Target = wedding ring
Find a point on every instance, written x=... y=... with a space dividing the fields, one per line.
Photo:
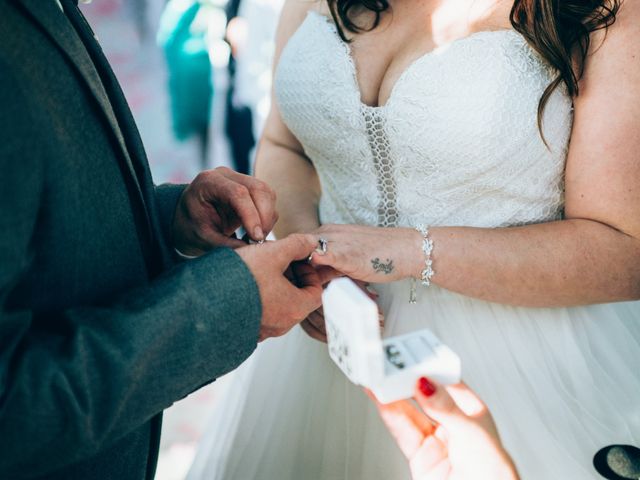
x=322 y=245
x=247 y=239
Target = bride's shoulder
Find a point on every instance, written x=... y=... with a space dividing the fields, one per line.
x=293 y=14
x=623 y=34
x=613 y=53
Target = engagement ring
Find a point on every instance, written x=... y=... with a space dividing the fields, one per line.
x=322 y=245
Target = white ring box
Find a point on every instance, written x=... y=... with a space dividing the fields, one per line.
x=390 y=368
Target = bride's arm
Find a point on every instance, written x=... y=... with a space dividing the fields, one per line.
x=280 y=159
x=593 y=255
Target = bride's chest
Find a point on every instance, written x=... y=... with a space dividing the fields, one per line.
x=381 y=55
x=469 y=105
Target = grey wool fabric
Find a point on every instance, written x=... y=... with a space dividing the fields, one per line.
x=101 y=328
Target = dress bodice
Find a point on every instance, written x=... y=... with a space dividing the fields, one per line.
x=457 y=143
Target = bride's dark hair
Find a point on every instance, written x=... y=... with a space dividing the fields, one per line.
x=559 y=30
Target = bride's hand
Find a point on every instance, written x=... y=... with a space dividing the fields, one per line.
x=314 y=325
x=371 y=254
x=457 y=441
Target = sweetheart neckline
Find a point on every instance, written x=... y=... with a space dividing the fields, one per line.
x=411 y=66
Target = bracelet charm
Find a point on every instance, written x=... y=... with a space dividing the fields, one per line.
x=427 y=272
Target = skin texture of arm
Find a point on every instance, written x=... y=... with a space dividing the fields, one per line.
x=280 y=160
x=594 y=254
x=591 y=256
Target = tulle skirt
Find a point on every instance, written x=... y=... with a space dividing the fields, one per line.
x=561 y=383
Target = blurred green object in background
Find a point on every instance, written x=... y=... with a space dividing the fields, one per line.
x=189 y=67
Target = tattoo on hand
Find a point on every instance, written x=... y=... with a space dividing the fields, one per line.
x=382 y=267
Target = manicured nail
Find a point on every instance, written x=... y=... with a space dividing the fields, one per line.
x=258 y=233
x=426 y=387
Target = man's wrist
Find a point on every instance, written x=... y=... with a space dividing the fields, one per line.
x=168 y=198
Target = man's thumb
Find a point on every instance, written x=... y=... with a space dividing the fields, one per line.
x=297 y=246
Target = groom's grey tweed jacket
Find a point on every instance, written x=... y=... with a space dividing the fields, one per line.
x=99 y=329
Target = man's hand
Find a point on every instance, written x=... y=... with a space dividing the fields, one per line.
x=215 y=205
x=287 y=298
x=314 y=325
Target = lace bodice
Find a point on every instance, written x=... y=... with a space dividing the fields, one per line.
x=457 y=143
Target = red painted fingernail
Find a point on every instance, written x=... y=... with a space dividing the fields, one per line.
x=426 y=387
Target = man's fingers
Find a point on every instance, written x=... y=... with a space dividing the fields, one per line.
x=297 y=246
x=206 y=239
x=220 y=240
x=300 y=302
x=239 y=200
x=306 y=298
x=264 y=200
x=310 y=298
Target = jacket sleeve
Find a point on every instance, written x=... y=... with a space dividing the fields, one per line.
x=73 y=382
x=167 y=196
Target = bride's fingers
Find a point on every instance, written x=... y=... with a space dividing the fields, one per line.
x=342 y=257
x=312 y=331
x=317 y=320
x=318 y=258
x=327 y=274
x=305 y=274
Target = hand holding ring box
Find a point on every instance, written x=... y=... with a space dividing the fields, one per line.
x=390 y=367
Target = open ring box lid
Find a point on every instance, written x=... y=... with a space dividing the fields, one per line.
x=390 y=367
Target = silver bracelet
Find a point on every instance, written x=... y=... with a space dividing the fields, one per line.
x=427 y=272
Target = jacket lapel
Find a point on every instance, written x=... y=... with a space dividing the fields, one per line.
x=47 y=14
x=53 y=21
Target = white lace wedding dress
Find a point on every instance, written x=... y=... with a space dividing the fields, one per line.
x=456 y=144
